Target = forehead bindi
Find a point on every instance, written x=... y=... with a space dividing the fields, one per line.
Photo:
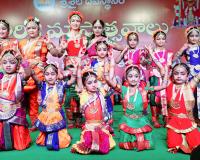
x=133 y=72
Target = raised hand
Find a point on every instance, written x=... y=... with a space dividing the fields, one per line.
x=47 y=40
x=81 y=52
x=149 y=48
x=63 y=44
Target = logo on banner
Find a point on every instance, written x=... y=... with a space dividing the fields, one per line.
x=44 y=5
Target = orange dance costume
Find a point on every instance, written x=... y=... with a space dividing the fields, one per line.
x=14 y=133
x=51 y=121
x=94 y=137
x=34 y=51
x=182 y=132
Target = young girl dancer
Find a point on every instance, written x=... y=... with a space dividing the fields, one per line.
x=182 y=132
x=98 y=65
x=98 y=28
x=135 y=129
x=132 y=55
x=191 y=50
x=14 y=133
x=94 y=137
x=34 y=48
x=51 y=121
x=73 y=43
x=163 y=57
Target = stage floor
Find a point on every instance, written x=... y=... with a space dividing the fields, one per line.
x=41 y=153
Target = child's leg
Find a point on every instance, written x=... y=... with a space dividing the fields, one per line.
x=174 y=139
x=127 y=145
x=33 y=111
x=41 y=139
x=153 y=103
x=149 y=143
x=193 y=138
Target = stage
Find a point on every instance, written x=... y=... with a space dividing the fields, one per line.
x=41 y=153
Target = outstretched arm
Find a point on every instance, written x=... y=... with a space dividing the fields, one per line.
x=79 y=78
x=115 y=45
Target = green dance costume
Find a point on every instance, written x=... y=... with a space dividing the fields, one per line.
x=135 y=129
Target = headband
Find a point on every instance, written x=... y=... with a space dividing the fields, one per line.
x=158 y=31
x=190 y=29
x=75 y=13
x=34 y=19
x=129 y=33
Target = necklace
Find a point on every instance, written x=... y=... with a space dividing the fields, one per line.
x=93 y=108
x=76 y=40
x=130 y=55
x=160 y=58
x=131 y=105
x=195 y=54
x=175 y=91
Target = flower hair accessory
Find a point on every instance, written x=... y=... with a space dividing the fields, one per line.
x=75 y=13
x=190 y=29
x=31 y=18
